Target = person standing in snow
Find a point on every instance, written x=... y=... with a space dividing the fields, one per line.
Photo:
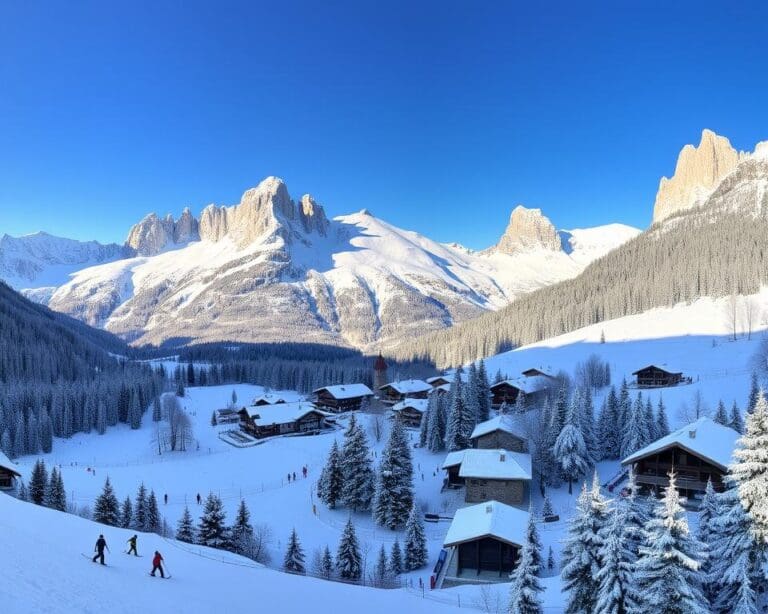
x=157 y=565
x=165 y=496
x=132 y=548
x=198 y=498
x=101 y=543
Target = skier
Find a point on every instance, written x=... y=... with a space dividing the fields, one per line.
x=294 y=476
x=132 y=543
x=304 y=470
x=165 y=496
x=101 y=543
x=289 y=478
x=198 y=498
x=157 y=565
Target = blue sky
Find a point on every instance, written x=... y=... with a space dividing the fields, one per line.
x=439 y=117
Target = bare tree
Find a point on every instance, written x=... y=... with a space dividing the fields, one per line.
x=256 y=547
x=490 y=601
x=751 y=310
x=732 y=314
x=177 y=432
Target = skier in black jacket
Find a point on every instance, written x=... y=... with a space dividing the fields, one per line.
x=132 y=544
x=101 y=543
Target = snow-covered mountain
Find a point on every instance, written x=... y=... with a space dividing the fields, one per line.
x=271 y=268
x=40 y=262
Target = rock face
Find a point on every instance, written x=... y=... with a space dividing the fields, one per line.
x=528 y=229
x=152 y=235
x=698 y=171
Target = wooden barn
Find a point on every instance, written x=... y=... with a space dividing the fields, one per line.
x=658 y=376
x=500 y=432
x=8 y=472
x=341 y=397
x=407 y=389
x=483 y=544
x=520 y=389
x=410 y=412
x=281 y=419
x=698 y=452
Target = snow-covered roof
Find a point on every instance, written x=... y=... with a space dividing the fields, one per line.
x=533 y=371
x=705 y=438
x=408 y=386
x=441 y=388
x=453 y=459
x=6 y=463
x=346 y=391
x=660 y=365
x=495 y=465
x=489 y=519
x=268 y=398
x=282 y=413
x=419 y=405
x=527 y=385
x=432 y=380
x=499 y=423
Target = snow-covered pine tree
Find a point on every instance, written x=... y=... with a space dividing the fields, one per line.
x=650 y=421
x=357 y=487
x=721 y=415
x=754 y=393
x=396 y=559
x=140 y=509
x=212 y=530
x=546 y=507
x=126 y=514
x=461 y=419
x=616 y=592
x=750 y=469
x=56 y=494
x=734 y=556
x=294 y=555
x=551 y=564
x=525 y=588
x=38 y=483
x=436 y=425
x=585 y=412
x=570 y=451
x=153 y=521
x=581 y=555
x=326 y=565
x=106 y=509
x=185 y=529
x=483 y=392
x=424 y=424
x=667 y=574
x=22 y=493
x=735 y=420
x=545 y=461
x=635 y=513
x=241 y=532
x=472 y=393
x=662 y=424
x=635 y=435
x=348 y=559
x=415 y=541
x=709 y=510
x=46 y=433
x=607 y=429
x=393 y=496
x=329 y=486
x=157 y=414
x=625 y=406
x=381 y=570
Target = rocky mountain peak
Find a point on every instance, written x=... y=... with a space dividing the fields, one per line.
x=152 y=235
x=312 y=215
x=528 y=229
x=697 y=172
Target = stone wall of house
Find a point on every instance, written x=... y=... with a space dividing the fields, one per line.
x=511 y=492
x=499 y=440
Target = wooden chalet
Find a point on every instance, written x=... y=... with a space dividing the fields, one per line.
x=441 y=390
x=8 y=473
x=658 y=376
x=523 y=389
x=539 y=371
x=281 y=419
x=483 y=544
x=500 y=432
x=341 y=397
x=500 y=475
x=267 y=399
x=452 y=465
x=410 y=412
x=439 y=380
x=698 y=452
x=228 y=415
x=407 y=389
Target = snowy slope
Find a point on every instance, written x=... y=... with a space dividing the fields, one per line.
x=42 y=261
x=43 y=571
x=354 y=280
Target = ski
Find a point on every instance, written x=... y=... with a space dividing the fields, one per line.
x=90 y=558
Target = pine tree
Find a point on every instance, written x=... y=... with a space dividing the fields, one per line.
x=635 y=434
x=185 y=530
x=56 y=494
x=636 y=511
x=754 y=393
x=140 y=509
x=525 y=588
x=212 y=529
x=461 y=419
x=22 y=493
x=126 y=514
x=38 y=483
x=484 y=393
x=329 y=487
x=533 y=541
x=750 y=468
x=570 y=451
x=157 y=414
x=546 y=507
x=436 y=425
x=381 y=571
x=616 y=592
x=721 y=415
x=106 y=509
x=46 y=433
x=424 y=424
x=396 y=559
x=650 y=422
x=294 y=555
x=735 y=420
x=581 y=556
x=551 y=565
x=153 y=520
x=608 y=429
x=734 y=556
x=357 y=487
x=415 y=542
x=708 y=511
x=326 y=564
x=241 y=532
x=586 y=415
x=662 y=424
x=667 y=572
x=348 y=559
x=393 y=497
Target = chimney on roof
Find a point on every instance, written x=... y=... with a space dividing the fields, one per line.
x=502 y=456
x=692 y=434
x=489 y=509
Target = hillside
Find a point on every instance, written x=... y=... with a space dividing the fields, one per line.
x=64 y=581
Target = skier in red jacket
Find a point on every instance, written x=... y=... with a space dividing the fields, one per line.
x=157 y=564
